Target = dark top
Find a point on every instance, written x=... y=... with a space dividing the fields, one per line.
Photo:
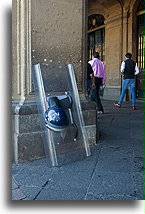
x=89 y=71
x=129 y=69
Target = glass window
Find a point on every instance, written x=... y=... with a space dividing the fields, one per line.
x=96 y=36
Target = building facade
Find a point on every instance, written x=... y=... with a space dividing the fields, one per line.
x=115 y=28
x=68 y=31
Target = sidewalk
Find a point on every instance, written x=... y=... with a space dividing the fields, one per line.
x=114 y=171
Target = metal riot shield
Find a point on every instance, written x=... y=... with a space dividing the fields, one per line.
x=60 y=113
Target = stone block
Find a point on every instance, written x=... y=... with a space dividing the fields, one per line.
x=28 y=146
x=112 y=184
x=27 y=123
x=89 y=117
x=111 y=93
x=18 y=195
x=51 y=194
x=92 y=134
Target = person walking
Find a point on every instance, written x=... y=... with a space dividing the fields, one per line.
x=129 y=69
x=89 y=78
x=99 y=75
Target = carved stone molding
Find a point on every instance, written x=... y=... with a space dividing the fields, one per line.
x=22 y=50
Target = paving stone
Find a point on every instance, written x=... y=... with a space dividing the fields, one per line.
x=120 y=164
x=137 y=136
x=31 y=192
x=139 y=184
x=114 y=133
x=18 y=195
x=115 y=159
x=51 y=194
x=69 y=179
x=110 y=197
x=138 y=147
x=14 y=185
x=112 y=183
x=139 y=164
x=88 y=163
x=40 y=162
x=16 y=168
x=119 y=142
x=30 y=178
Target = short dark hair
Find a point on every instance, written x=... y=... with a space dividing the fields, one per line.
x=96 y=55
x=128 y=55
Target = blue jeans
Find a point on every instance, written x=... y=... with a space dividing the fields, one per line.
x=128 y=83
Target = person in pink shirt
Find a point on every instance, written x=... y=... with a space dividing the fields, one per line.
x=99 y=75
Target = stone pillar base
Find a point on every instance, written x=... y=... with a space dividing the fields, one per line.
x=27 y=133
x=111 y=93
x=90 y=119
x=27 y=136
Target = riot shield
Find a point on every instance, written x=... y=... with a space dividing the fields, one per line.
x=64 y=136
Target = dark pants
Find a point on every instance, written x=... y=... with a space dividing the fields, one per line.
x=94 y=94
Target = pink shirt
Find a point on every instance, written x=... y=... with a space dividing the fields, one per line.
x=98 y=68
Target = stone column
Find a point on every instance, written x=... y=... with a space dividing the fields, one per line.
x=54 y=30
x=126 y=41
x=125 y=31
x=27 y=141
x=113 y=41
x=21 y=82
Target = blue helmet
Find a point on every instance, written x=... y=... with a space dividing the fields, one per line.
x=56 y=119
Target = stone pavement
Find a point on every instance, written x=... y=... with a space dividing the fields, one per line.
x=114 y=171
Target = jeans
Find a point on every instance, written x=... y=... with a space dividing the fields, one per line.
x=128 y=83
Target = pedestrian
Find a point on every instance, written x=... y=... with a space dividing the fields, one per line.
x=89 y=78
x=129 y=69
x=99 y=75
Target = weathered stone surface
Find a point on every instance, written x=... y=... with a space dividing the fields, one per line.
x=51 y=194
x=28 y=147
x=25 y=109
x=111 y=93
x=18 y=195
x=91 y=131
x=65 y=45
x=27 y=123
x=112 y=183
x=90 y=117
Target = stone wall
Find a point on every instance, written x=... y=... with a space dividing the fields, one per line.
x=57 y=33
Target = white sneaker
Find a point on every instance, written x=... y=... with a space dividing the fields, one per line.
x=100 y=112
